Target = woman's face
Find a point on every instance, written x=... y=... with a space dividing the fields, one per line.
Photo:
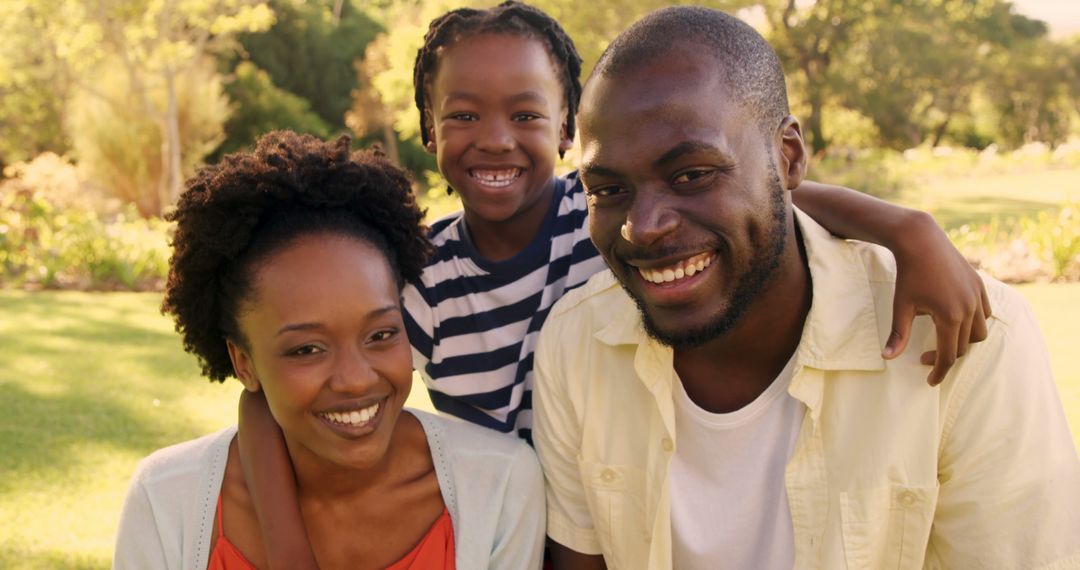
x=327 y=345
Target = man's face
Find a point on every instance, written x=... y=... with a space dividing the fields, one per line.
x=686 y=203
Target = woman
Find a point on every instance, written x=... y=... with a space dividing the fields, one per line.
x=287 y=269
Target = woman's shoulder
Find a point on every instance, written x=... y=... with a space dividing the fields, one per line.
x=185 y=461
x=461 y=440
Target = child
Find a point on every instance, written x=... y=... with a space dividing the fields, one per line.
x=497 y=90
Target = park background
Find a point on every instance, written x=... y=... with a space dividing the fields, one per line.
x=969 y=109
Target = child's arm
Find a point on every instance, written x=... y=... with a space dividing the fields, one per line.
x=932 y=277
x=271 y=482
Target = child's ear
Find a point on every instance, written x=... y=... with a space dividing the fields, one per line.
x=243 y=367
x=565 y=142
x=430 y=145
x=792 y=152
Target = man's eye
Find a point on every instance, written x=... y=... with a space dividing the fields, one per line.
x=691 y=175
x=603 y=191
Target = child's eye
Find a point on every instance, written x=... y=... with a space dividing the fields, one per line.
x=527 y=116
x=462 y=116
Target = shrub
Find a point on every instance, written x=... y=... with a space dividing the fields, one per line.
x=51 y=237
x=1039 y=248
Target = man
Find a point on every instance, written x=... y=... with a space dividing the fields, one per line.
x=742 y=416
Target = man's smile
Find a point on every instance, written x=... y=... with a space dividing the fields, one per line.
x=678 y=270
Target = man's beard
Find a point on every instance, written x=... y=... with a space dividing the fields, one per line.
x=762 y=267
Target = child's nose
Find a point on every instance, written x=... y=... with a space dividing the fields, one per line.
x=496 y=136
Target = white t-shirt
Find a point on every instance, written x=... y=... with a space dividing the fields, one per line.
x=729 y=508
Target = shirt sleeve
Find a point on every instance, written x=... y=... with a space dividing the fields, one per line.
x=1008 y=470
x=419 y=320
x=556 y=435
x=138 y=539
x=519 y=538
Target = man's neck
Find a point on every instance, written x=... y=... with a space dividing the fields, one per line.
x=730 y=371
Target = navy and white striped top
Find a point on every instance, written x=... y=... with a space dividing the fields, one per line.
x=473 y=323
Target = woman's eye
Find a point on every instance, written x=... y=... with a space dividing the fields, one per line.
x=306 y=350
x=383 y=335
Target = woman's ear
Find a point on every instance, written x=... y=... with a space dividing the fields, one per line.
x=244 y=368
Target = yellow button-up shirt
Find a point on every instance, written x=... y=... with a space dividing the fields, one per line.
x=887 y=472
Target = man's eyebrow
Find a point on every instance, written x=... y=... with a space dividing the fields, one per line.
x=684 y=148
x=292 y=327
x=595 y=170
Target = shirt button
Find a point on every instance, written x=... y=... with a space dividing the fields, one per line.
x=667 y=444
x=908 y=499
x=607 y=475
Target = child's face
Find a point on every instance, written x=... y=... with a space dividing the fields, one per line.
x=497 y=124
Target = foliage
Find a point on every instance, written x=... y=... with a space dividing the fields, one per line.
x=51 y=236
x=258 y=106
x=873 y=172
x=1043 y=247
x=310 y=52
x=156 y=44
x=122 y=148
x=33 y=89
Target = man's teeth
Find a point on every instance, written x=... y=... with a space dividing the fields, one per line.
x=353 y=418
x=496 y=178
x=685 y=268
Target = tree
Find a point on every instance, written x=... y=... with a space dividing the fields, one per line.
x=157 y=43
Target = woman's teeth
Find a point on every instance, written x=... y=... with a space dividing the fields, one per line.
x=496 y=178
x=680 y=270
x=353 y=418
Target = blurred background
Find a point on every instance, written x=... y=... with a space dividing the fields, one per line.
x=969 y=109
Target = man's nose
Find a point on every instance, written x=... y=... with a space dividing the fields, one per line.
x=649 y=218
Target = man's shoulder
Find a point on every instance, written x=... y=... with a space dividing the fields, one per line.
x=601 y=292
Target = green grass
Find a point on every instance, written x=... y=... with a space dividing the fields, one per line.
x=94 y=382
x=971 y=199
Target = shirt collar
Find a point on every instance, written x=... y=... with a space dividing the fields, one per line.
x=841 y=329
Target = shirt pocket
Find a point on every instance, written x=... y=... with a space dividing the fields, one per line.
x=887 y=527
x=616 y=494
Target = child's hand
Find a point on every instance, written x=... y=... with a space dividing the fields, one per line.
x=934 y=279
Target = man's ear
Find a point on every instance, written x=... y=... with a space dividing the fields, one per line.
x=243 y=367
x=792 y=152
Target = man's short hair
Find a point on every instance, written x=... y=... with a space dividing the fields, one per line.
x=750 y=68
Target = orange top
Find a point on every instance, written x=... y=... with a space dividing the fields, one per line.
x=434 y=552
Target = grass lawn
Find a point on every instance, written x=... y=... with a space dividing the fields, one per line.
x=94 y=382
x=967 y=199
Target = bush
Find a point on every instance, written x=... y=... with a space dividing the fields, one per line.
x=873 y=172
x=51 y=238
x=1045 y=247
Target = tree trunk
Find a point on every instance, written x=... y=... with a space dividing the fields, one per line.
x=390 y=144
x=170 y=149
x=818 y=144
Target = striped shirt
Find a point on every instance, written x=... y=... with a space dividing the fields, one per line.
x=473 y=323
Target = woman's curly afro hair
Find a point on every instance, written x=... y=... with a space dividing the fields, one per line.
x=236 y=213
